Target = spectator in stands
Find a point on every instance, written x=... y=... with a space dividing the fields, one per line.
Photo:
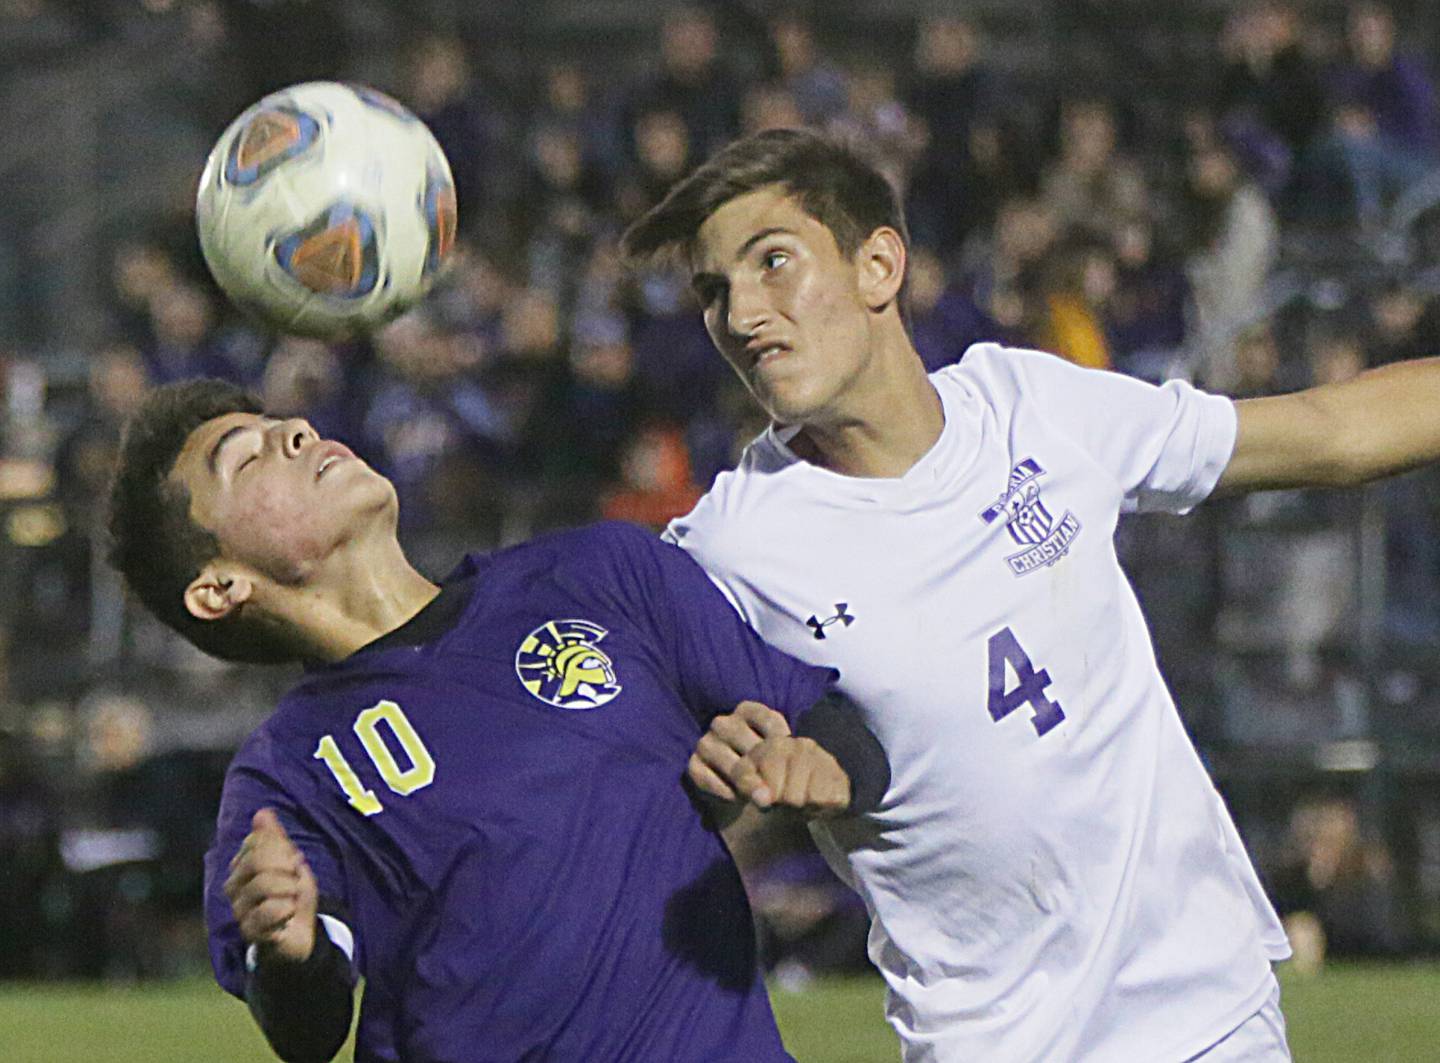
x=663 y=152
x=951 y=207
x=1402 y=322
x=440 y=86
x=474 y=295
x=1231 y=251
x=943 y=320
x=182 y=321
x=769 y=105
x=532 y=346
x=1336 y=353
x=877 y=117
x=692 y=82
x=592 y=406
x=972 y=154
x=29 y=818
x=1271 y=97
x=656 y=482
x=1385 y=118
x=116 y=383
x=673 y=355
x=1398 y=89
x=1091 y=186
x=603 y=287
x=1145 y=316
x=559 y=209
x=568 y=99
x=817 y=84
x=139 y=271
x=1257 y=362
x=1337 y=891
x=1079 y=282
x=950 y=87
x=1006 y=276
x=430 y=413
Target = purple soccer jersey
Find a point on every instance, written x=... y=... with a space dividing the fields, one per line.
x=499 y=814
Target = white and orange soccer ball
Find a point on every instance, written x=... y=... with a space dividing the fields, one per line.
x=326 y=209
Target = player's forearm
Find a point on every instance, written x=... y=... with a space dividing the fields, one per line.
x=1380 y=423
x=1389 y=417
x=304 y=1009
x=837 y=726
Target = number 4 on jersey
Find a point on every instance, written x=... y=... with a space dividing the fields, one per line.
x=1030 y=684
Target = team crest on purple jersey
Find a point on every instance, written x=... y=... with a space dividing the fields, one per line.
x=1045 y=539
x=561 y=663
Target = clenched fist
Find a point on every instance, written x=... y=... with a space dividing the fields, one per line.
x=750 y=755
x=272 y=892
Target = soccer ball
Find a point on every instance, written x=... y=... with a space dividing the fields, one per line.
x=326 y=209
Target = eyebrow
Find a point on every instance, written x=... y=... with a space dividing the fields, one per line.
x=697 y=279
x=212 y=459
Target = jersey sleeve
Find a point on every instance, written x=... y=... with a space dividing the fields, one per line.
x=716 y=660
x=249 y=787
x=1166 y=446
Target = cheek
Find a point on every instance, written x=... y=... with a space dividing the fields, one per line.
x=828 y=301
x=275 y=523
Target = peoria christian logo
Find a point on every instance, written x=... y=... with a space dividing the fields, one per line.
x=1029 y=523
x=561 y=663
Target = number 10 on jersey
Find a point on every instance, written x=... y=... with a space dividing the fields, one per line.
x=403 y=781
x=1030 y=684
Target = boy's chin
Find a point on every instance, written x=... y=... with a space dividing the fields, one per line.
x=788 y=409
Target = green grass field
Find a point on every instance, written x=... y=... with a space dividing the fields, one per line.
x=1384 y=1014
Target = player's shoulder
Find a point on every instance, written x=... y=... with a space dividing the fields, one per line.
x=586 y=548
x=596 y=555
x=1008 y=380
x=743 y=502
x=997 y=370
x=605 y=540
x=266 y=760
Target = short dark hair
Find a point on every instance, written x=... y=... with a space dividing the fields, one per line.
x=831 y=181
x=154 y=542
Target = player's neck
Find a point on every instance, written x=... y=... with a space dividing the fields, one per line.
x=884 y=427
x=364 y=593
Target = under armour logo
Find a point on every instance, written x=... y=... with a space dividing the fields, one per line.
x=840 y=617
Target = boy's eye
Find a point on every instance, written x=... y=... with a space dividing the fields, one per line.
x=775 y=259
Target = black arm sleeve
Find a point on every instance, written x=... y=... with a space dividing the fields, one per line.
x=835 y=724
x=304 y=1008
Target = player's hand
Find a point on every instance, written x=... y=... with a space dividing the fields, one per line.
x=716 y=762
x=272 y=892
x=750 y=755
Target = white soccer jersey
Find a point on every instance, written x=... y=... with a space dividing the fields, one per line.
x=1051 y=875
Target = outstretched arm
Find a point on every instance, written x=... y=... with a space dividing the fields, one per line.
x=1382 y=422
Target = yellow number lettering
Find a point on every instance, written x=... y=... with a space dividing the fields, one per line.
x=418 y=775
x=421 y=772
x=361 y=799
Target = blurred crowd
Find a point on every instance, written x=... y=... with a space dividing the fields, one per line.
x=1253 y=206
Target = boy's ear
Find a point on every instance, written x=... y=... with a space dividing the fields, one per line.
x=882 y=262
x=217 y=592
